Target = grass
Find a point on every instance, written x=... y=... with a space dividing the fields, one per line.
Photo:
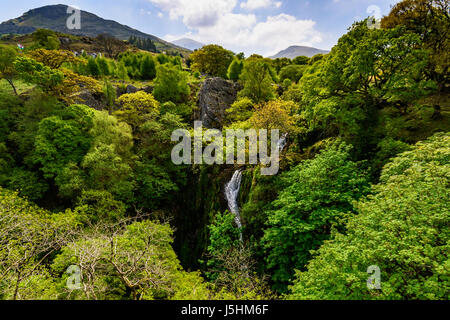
x=418 y=123
x=20 y=86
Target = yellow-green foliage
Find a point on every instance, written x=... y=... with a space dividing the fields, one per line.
x=28 y=236
x=136 y=107
x=402 y=228
x=241 y=110
x=213 y=60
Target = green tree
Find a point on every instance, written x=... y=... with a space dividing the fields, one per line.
x=316 y=58
x=280 y=63
x=184 y=110
x=241 y=110
x=314 y=196
x=402 y=228
x=430 y=20
x=213 y=60
x=162 y=58
x=171 y=84
x=28 y=183
x=122 y=72
x=136 y=108
x=342 y=92
x=103 y=67
x=63 y=139
x=235 y=69
x=29 y=236
x=274 y=115
x=223 y=238
x=231 y=264
x=35 y=72
x=301 y=60
x=54 y=59
x=293 y=92
x=110 y=94
x=93 y=67
x=157 y=178
x=100 y=205
x=106 y=165
x=148 y=68
x=257 y=80
x=107 y=170
x=131 y=261
x=7 y=71
x=46 y=39
x=292 y=72
x=223 y=234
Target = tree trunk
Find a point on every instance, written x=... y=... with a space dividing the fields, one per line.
x=16 y=289
x=12 y=85
x=437 y=113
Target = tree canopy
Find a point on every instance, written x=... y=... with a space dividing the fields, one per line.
x=213 y=60
x=401 y=228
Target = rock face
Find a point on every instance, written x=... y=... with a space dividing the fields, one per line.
x=216 y=96
x=148 y=89
x=94 y=101
x=132 y=89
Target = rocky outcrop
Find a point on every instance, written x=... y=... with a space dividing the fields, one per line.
x=148 y=89
x=93 y=100
x=121 y=90
x=216 y=96
x=132 y=89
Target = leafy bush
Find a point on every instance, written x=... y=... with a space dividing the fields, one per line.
x=292 y=72
x=213 y=60
x=148 y=68
x=402 y=228
x=171 y=84
x=235 y=69
x=257 y=79
x=315 y=195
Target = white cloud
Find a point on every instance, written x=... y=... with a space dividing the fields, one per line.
x=144 y=12
x=258 y=4
x=196 y=13
x=213 y=21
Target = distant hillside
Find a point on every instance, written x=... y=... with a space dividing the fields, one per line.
x=54 y=17
x=295 y=51
x=188 y=44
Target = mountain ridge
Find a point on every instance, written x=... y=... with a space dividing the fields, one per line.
x=293 y=52
x=54 y=17
x=188 y=44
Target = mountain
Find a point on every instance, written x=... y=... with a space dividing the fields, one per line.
x=295 y=51
x=188 y=44
x=54 y=17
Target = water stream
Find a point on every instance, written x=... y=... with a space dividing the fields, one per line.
x=234 y=186
x=232 y=194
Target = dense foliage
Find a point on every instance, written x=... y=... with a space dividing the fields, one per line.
x=213 y=60
x=308 y=206
x=402 y=228
x=92 y=206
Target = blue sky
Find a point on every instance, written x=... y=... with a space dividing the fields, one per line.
x=252 y=26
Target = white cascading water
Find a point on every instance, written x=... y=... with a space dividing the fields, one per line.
x=234 y=186
x=232 y=194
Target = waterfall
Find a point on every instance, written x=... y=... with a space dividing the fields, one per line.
x=234 y=186
x=232 y=194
